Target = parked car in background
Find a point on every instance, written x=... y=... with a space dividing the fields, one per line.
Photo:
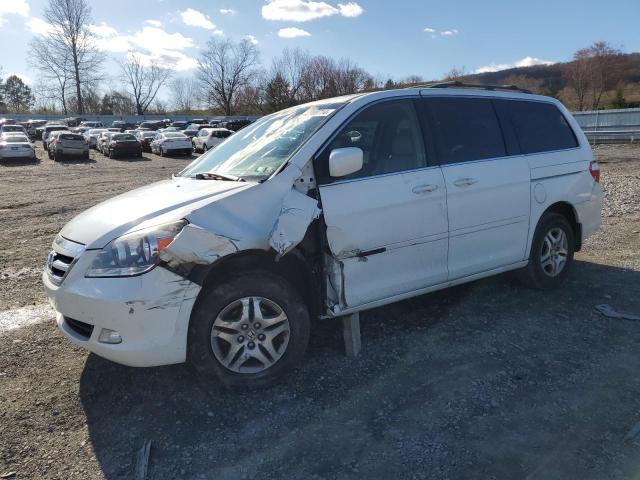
x=16 y=145
x=7 y=121
x=122 y=125
x=199 y=121
x=208 y=138
x=197 y=126
x=235 y=125
x=151 y=125
x=171 y=143
x=145 y=137
x=103 y=141
x=91 y=124
x=32 y=126
x=47 y=130
x=190 y=132
x=13 y=128
x=123 y=144
x=181 y=125
x=67 y=144
x=92 y=135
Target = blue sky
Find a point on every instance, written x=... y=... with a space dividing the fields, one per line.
x=389 y=38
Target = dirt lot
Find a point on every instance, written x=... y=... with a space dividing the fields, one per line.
x=487 y=380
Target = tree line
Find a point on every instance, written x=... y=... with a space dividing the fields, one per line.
x=230 y=78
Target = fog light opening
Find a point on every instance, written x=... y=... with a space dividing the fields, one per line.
x=109 y=336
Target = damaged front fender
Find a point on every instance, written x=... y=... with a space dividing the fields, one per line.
x=196 y=246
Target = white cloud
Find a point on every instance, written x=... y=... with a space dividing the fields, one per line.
x=306 y=10
x=13 y=7
x=350 y=9
x=293 y=32
x=523 y=62
x=103 y=30
x=194 y=18
x=154 y=23
x=430 y=30
x=227 y=11
x=449 y=33
x=38 y=26
x=168 y=59
x=252 y=39
x=152 y=38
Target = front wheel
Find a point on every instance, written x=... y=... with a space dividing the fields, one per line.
x=551 y=254
x=248 y=331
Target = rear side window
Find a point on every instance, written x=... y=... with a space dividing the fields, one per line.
x=466 y=129
x=540 y=127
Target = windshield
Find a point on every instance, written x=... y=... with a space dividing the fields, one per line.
x=260 y=149
x=14 y=139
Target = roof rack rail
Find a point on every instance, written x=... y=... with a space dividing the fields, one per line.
x=457 y=84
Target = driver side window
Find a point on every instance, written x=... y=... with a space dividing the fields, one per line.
x=389 y=135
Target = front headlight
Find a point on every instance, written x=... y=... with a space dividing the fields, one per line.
x=134 y=253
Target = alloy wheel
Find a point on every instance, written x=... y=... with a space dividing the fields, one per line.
x=554 y=252
x=250 y=335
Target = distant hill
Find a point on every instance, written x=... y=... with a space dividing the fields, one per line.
x=551 y=80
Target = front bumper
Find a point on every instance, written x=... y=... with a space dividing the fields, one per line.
x=151 y=312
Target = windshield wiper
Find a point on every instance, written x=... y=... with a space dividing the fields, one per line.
x=217 y=176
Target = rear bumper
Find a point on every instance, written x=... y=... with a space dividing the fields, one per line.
x=21 y=153
x=590 y=212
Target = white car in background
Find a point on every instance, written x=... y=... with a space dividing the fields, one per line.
x=324 y=210
x=14 y=129
x=209 y=137
x=92 y=136
x=16 y=145
x=171 y=143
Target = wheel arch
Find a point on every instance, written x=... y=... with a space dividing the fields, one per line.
x=568 y=211
x=293 y=267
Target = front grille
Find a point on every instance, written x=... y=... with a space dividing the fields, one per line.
x=62 y=258
x=83 y=329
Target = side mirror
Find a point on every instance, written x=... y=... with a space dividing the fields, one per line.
x=345 y=161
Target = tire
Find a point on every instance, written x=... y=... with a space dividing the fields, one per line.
x=195 y=150
x=205 y=148
x=551 y=253
x=49 y=155
x=161 y=151
x=56 y=157
x=86 y=156
x=217 y=301
x=111 y=154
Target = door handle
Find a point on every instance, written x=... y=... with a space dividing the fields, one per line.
x=464 y=182
x=424 y=188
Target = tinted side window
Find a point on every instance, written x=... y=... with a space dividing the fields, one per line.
x=466 y=128
x=540 y=127
x=389 y=135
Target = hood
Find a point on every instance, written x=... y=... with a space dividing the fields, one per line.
x=158 y=203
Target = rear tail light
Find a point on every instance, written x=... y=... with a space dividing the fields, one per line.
x=594 y=170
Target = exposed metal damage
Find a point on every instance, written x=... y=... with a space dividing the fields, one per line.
x=296 y=214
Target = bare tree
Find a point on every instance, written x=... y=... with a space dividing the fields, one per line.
x=578 y=80
x=225 y=69
x=54 y=67
x=595 y=70
x=456 y=73
x=71 y=46
x=184 y=92
x=143 y=81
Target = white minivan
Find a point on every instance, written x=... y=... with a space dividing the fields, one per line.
x=323 y=210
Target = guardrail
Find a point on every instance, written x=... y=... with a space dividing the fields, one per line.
x=612 y=136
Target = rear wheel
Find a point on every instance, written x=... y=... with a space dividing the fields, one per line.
x=205 y=148
x=161 y=152
x=551 y=254
x=111 y=154
x=248 y=331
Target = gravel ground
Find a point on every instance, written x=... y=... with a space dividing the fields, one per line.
x=487 y=380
